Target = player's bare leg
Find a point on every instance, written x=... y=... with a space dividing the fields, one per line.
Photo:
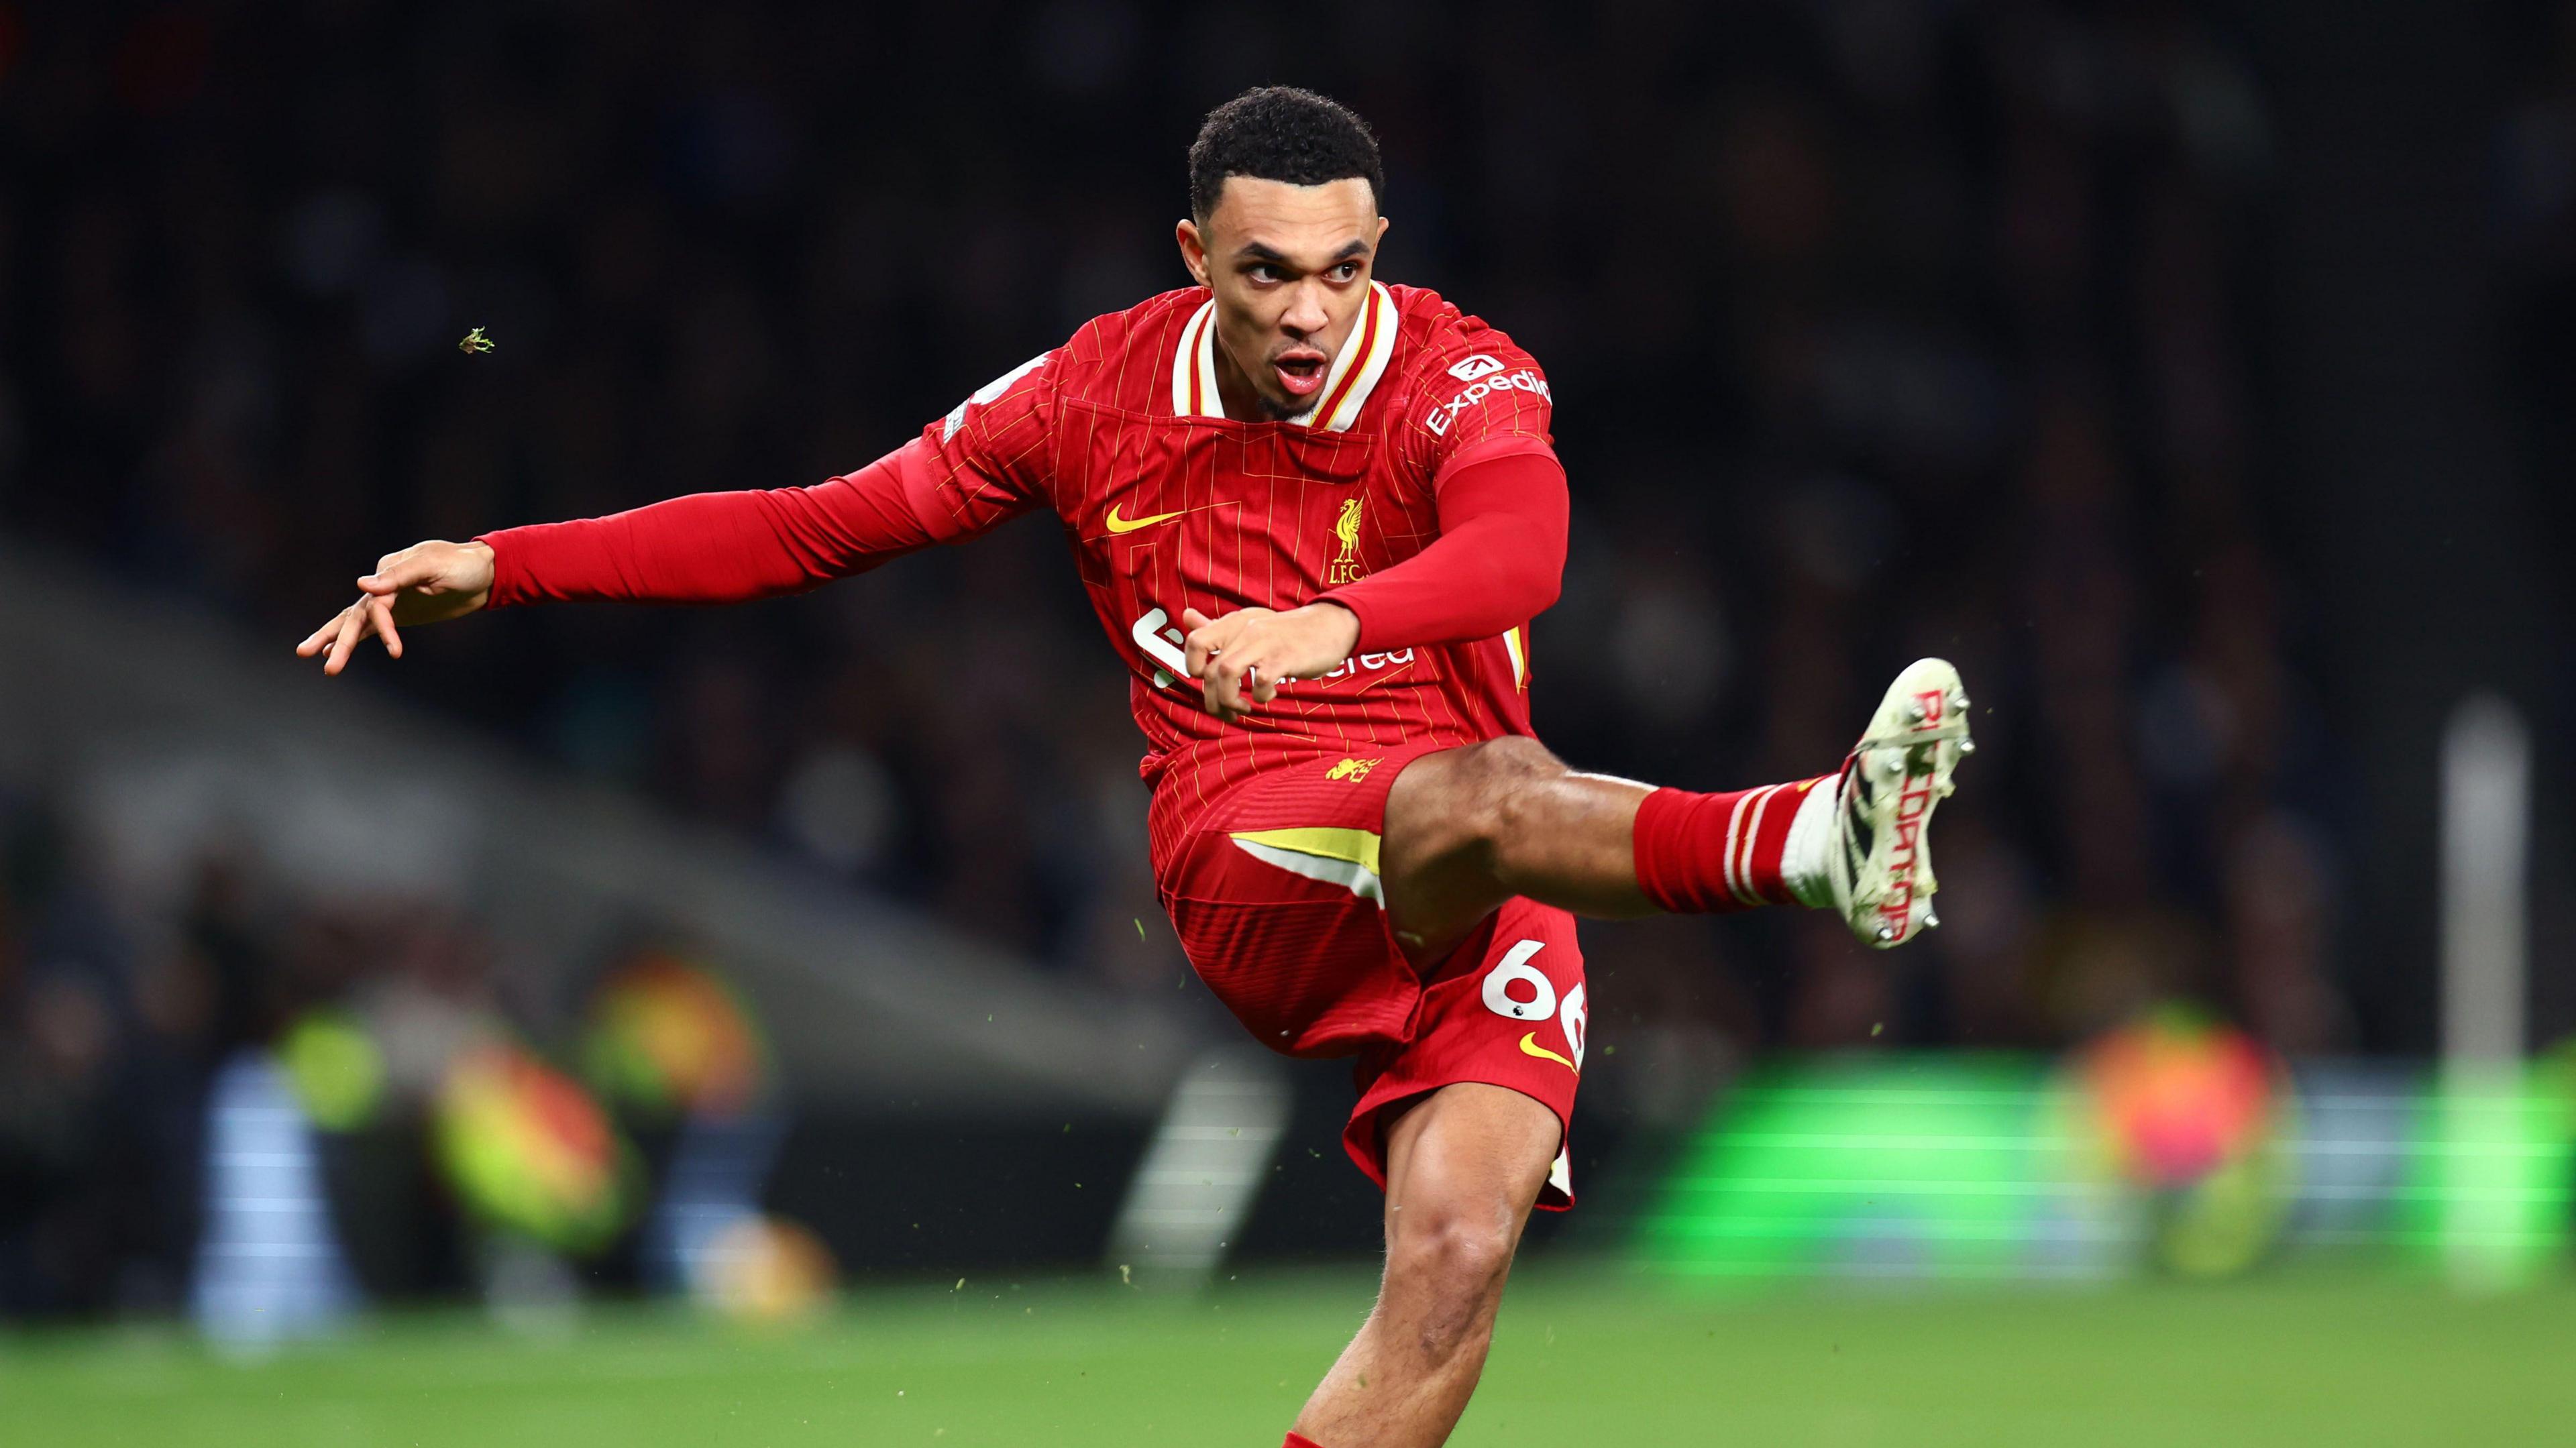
x=1463 y=1168
x=1468 y=828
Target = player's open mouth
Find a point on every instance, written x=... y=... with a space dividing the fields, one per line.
x=1300 y=372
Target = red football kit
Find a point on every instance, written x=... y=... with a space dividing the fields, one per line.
x=1430 y=427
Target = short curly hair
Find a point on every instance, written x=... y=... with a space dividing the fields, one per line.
x=1282 y=133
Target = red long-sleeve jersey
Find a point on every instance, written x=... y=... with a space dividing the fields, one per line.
x=1429 y=422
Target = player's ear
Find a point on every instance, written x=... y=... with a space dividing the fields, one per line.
x=1193 y=250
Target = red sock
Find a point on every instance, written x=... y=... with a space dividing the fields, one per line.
x=1299 y=1440
x=1707 y=854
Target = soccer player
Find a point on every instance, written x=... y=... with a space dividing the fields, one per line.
x=1315 y=514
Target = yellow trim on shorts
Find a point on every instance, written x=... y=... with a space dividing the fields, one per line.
x=1336 y=856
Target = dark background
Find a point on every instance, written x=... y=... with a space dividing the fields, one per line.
x=2198 y=377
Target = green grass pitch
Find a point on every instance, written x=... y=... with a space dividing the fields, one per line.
x=1582 y=1357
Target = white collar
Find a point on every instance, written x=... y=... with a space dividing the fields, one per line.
x=1354 y=373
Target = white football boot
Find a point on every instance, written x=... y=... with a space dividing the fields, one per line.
x=1876 y=863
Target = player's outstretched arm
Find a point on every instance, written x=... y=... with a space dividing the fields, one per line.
x=426 y=583
x=722 y=547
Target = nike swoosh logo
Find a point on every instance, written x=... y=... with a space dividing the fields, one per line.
x=1130 y=525
x=1531 y=1047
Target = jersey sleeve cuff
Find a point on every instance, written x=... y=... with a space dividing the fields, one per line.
x=1357 y=610
x=508 y=578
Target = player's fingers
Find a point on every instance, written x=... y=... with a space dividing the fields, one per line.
x=314 y=641
x=1205 y=643
x=377 y=579
x=399 y=571
x=1225 y=688
x=353 y=623
x=1265 y=684
x=381 y=614
x=1192 y=620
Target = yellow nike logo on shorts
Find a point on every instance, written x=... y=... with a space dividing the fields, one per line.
x=1531 y=1047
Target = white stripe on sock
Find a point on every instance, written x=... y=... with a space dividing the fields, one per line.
x=1753 y=837
x=1732 y=822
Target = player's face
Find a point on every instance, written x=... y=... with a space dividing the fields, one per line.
x=1290 y=269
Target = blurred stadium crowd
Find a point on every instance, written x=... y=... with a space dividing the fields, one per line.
x=1876 y=328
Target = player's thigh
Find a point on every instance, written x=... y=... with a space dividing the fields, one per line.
x=1443 y=816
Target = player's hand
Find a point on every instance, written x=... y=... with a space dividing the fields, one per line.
x=1241 y=659
x=425 y=583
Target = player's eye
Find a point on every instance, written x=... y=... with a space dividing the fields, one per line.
x=1261 y=272
x=1347 y=271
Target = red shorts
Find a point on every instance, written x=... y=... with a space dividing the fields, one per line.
x=1276 y=895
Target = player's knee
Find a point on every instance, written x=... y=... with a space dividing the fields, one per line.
x=1451 y=1274
x=1509 y=773
x=1452 y=1255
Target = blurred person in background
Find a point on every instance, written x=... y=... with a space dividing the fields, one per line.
x=104 y=1060
x=679 y=1059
